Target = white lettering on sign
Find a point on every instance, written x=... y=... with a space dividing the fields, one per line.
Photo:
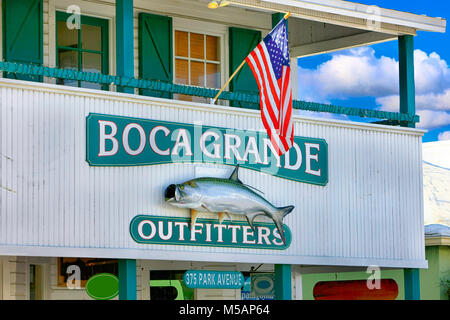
x=232 y=147
x=310 y=157
x=152 y=140
x=140 y=229
x=298 y=163
x=216 y=146
x=182 y=141
x=126 y=133
x=103 y=137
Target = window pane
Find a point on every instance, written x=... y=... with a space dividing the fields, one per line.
x=91 y=62
x=212 y=48
x=91 y=37
x=197 y=46
x=68 y=59
x=181 y=44
x=181 y=71
x=212 y=75
x=67 y=37
x=197 y=74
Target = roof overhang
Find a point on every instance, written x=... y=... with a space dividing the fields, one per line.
x=335 y=24
x=350 y=14
x=437 y=241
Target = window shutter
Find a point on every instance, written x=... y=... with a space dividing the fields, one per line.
x=242 y=42
x=23 y=34
x=155 y=51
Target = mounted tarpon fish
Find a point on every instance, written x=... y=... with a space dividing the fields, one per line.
x=225 y=197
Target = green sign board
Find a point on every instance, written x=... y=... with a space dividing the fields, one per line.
x=207 y=232
x=204 y=279
x=124 y=141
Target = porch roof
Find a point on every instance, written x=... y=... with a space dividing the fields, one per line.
x=337 y=24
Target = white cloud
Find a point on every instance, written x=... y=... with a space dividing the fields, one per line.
x=430 y=119
x=354 y=73
x=359 y=73
x=444 y=135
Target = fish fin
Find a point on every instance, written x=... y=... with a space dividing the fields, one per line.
x=234 y=175
x=251 y=216
x=278 y=219
x=221 y=217
x=253 y=188
x=194 y=214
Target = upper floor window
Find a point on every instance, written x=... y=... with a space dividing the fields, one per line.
x=83 y=49
x=198 y=60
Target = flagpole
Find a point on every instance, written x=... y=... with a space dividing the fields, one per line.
x=228 y=81
x=286 y=16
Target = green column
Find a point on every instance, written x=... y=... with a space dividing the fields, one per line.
x=127 y=279
x=412 y=284
x=124 y=41
x=283 y=279
x=406 y=77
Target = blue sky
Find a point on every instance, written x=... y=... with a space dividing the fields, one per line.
x=325 y=79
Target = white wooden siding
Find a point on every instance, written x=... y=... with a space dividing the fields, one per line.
x=52 y=203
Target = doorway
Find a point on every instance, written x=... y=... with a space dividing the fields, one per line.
x=36 y=282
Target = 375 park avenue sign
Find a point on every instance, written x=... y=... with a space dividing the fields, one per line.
x=125 y=141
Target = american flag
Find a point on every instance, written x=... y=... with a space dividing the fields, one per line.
x=269 y=62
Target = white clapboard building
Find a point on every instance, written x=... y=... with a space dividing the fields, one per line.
x=105 y=112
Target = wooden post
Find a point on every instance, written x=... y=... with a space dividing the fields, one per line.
x=124 y=42
x=412 y=284
x=406 y=77
x=283 y=282
x=127 y=279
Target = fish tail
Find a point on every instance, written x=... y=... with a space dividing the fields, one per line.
x=278 y=219
x=284 y=211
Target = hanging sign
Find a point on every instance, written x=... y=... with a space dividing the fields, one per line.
x=124 y=141
x=204 y=279
x=207 y=232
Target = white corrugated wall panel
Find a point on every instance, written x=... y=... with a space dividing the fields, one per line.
x=53 y=203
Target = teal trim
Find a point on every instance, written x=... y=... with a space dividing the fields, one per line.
x=283 y=279
x=412 y=284
x=30 y=69
x=22 y=34
x=124 y=41
x=127 y=279
x=155 y=51
x=406 y=77
x=148 y=156
x=104 y=52
x=241 y=42
x=145 y=229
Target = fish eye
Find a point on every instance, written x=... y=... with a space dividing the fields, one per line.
x=182 y=187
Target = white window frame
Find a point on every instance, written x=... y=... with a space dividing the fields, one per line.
x=206 y=28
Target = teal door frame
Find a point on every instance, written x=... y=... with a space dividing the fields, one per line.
x=283 y=282
x=412 y=284
x=127 y=279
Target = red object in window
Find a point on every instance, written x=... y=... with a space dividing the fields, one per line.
x=355 y=290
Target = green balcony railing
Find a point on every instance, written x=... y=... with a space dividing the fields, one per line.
x=390 y=118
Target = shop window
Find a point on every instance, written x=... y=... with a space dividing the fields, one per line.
x=82 y=49
x=88 y=267
x=197 y=61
